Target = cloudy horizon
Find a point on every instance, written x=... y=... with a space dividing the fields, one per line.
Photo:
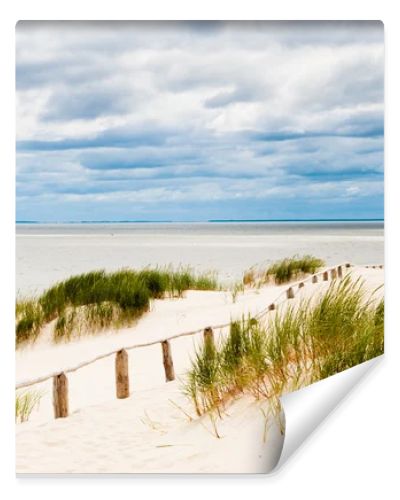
x=199 y=120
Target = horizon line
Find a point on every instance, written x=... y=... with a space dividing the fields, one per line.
x=144 y=221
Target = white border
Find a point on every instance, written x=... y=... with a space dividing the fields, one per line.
x=355 y=452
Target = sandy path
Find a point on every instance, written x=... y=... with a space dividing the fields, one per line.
x=148 y=432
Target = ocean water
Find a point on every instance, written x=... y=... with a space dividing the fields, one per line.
x=46 y=253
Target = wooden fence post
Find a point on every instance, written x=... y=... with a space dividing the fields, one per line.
x=271 y=307
x=122 y=374
x=167 y=360
x=60 y=395
x=340 y=272
x=301 y=284
x=290 y=293
x=333 y=274
x=208 y=335
x=325 y=276
x=314 y=279
x=347 y=265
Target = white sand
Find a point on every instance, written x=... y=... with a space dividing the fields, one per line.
x=47 y=253
x=150 y=431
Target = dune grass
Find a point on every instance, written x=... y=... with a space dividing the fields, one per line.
x=25 y=403
x=283 y=271
x=30 y=318
x=287 y=269
x=92 y=301
x=295 y=347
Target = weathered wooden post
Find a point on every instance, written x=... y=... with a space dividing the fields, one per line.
x=325 y=276
x=271 y=307
x=301 y=284
x=290 y=293
x=333 y=273
x=347 y=264
x=167 y=360
x=208 y=335
x=314 y=279
x=340 y=272
x=122 y=374
x=60 y=395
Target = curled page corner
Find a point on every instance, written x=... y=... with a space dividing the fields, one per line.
x=304 y=410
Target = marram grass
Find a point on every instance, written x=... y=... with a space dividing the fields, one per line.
x=25 y=403
x=29 y=315
x=296 y=346
x=96 y=300
x=283 y=271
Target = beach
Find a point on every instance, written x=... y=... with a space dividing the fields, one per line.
x=199 y=232
x=46 y=253
x=156 y=428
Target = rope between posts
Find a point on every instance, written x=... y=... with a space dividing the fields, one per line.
x=259 y=315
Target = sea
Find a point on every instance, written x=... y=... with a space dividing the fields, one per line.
x=47 y=253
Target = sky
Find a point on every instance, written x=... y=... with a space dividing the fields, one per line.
x=199 y=121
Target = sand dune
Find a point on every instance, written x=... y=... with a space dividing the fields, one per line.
x=152 y=431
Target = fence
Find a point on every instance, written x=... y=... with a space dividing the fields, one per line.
x=60 y=379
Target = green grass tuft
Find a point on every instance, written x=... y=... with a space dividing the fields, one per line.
x=29 y=320
x=283 y=271
x=202 y=386
x=297 y=346
x=288 y=269
x=25 y=403
x=96 y=300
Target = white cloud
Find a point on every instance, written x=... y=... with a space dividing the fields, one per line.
x=136 y=106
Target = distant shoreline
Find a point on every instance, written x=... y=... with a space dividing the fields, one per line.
x=210 y=221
